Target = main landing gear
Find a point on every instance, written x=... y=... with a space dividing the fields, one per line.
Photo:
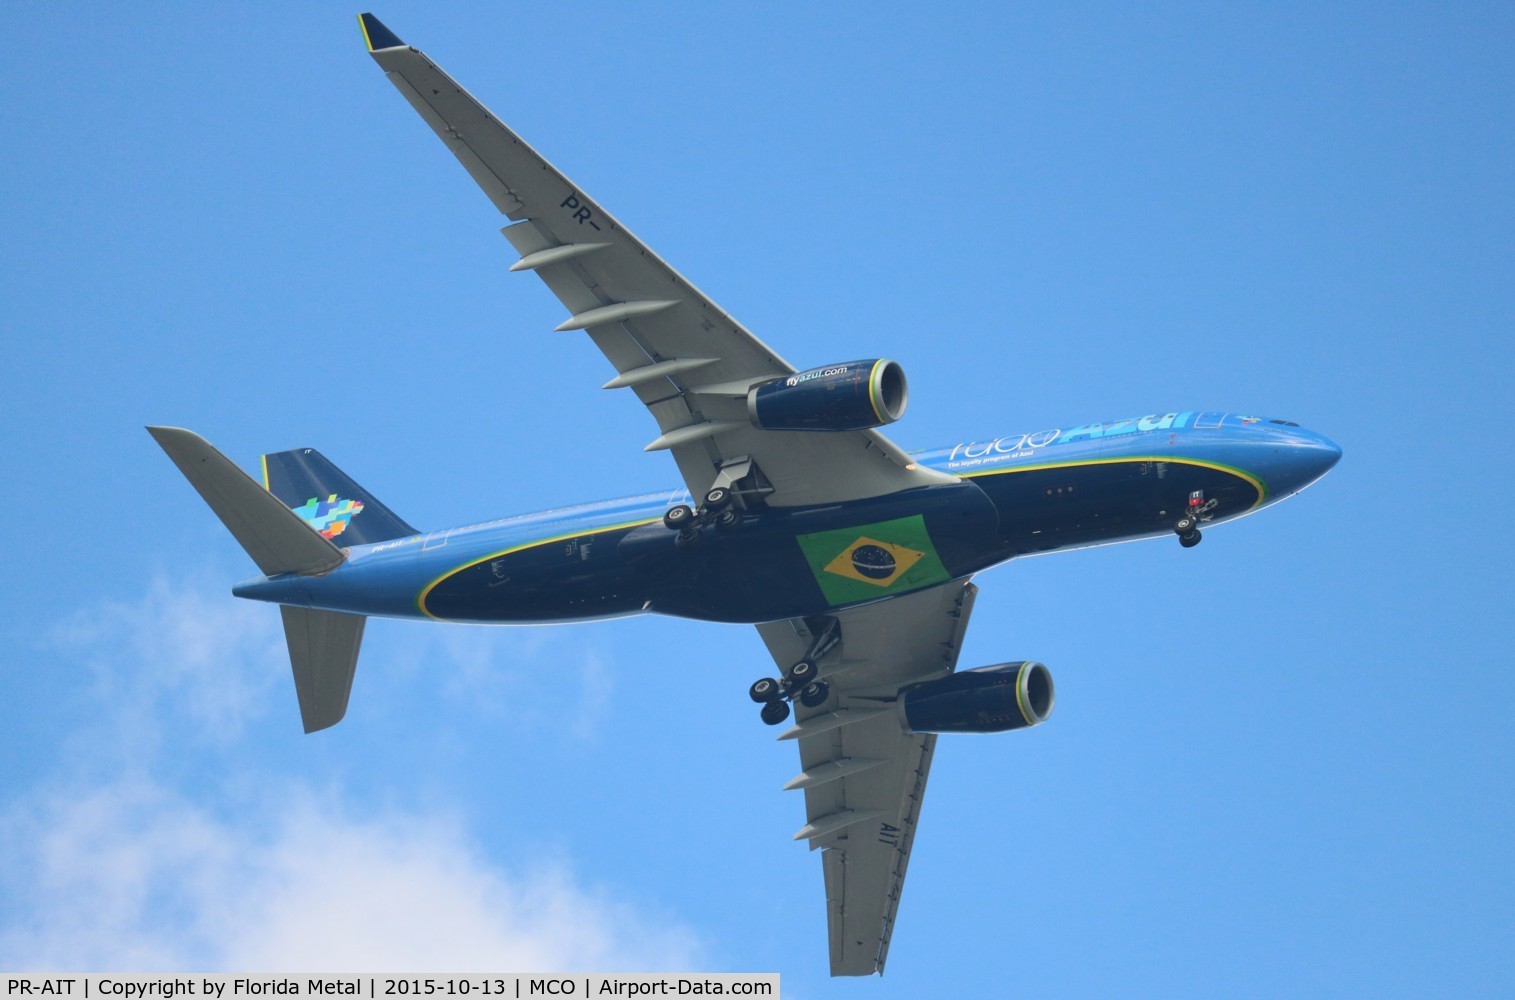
x=797 y=685
x=687 y=521
x=1187 y=527
x=801 y=682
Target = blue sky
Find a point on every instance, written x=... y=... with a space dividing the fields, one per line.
x=1281 y=762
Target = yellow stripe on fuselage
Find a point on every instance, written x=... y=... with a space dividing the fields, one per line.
x=264 y=460
x=426 y=591
x=1253 y=481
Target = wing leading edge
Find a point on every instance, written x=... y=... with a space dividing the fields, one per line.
x=689 y=362
x=692 y=365
x=863 y=776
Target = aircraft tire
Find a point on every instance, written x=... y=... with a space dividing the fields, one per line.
x=765 y=690
x=1185 y=525
x=677 y=517
x=815 y=694
x=686 y=538
x=801 y=673
x=727 y=519
x=775 y=712
x=717 y=499
x=1190 y=538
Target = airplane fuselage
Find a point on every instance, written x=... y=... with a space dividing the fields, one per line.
x=1015 y=495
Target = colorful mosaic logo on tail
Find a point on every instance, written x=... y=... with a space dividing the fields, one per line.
x=331 y=516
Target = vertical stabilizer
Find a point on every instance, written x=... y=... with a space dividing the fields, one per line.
x=328 y=499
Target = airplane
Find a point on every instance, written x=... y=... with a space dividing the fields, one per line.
x=854 y=559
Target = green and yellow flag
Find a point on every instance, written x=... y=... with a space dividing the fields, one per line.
x=873 y=560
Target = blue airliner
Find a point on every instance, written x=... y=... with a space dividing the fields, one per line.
x=853 y=558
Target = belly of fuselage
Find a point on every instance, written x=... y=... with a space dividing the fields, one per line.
x=778 y=563
x=1112 y=499
x=792 y=562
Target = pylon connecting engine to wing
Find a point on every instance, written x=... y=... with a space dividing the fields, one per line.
x=985 y=700
x=845 y=397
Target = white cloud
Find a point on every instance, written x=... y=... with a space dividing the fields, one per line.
x=116 y=859
x=544 y=678
x=189 y=646
x=132 y=877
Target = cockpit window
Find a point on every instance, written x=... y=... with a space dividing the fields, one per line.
x=1284 y=423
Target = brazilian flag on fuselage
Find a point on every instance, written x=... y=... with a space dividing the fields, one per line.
x=873 y=560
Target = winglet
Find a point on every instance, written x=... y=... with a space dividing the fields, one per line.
x=376 y=35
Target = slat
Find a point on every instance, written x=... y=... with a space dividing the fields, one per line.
x=832 y=770
x=553 y=255
x=614 y=313
x=661 y=369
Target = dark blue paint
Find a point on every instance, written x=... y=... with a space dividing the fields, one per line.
x=1090 y=485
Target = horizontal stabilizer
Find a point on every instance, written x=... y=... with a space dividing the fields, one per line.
x=328 y=500
x=278 y=540
x=323 y=649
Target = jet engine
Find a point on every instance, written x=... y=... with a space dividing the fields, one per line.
x=844 y=397
x=984 y=700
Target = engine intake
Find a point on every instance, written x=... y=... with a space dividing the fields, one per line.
x=985 y=700
x=843 y=397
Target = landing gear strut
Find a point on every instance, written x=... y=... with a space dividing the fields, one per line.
x=716 y=509
x=801 y=682
x=1198 y=512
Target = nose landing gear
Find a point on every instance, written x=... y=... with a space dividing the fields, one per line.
x=1198 y=512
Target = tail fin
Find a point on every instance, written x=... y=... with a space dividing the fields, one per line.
x=328 y=500
x=323 y=645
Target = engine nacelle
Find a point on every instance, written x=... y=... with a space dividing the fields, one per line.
x=844 y=397
x=985 y=700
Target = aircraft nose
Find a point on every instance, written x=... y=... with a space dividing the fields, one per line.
x=1307 y=457
x=1323 y=454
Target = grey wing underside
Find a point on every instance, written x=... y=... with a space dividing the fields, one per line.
x=863 y=776
x=688 y=362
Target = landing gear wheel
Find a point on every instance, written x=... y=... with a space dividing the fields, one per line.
x=686 y=538
x=727 y=519
x=765 y=690
x=1186 y=524
x=717 y=498
x=677 y=517
x=815 y=694
x=775 y=712
x=800 y=674
x=1190 y=538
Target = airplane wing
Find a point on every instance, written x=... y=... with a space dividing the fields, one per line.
x=688 y=362
x=863 y=776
